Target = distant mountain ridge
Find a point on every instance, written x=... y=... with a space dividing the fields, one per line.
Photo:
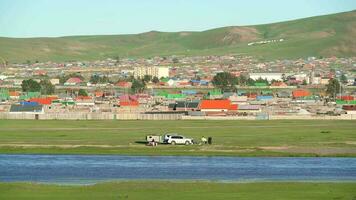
x=328 y=35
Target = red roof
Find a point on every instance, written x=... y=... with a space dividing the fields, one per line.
x=279 y=84
x=81 y=98
x=14 y=94
x=124 y=84
x=129 y=103
x=99 y=94
x=217 y=104
x=43 y=101
x=300 y=93
x=74 y=80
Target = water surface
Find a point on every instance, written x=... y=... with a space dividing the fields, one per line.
x=95 y=168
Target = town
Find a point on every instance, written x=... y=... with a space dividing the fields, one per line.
x=179 y=87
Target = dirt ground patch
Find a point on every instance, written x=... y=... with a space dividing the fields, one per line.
x=315 y=150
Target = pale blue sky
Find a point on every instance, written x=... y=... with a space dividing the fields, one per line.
x=34 y=18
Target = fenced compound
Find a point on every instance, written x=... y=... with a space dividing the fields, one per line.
x=91 y=116
x=160 y=116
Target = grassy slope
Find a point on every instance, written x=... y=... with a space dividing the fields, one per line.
x=242 y=138
x=325 y=35
x=174 y=190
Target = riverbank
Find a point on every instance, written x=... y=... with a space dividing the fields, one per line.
x=181 y=190
x=230 y=138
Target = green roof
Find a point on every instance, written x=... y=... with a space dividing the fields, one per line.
x=214 y=92
x=161 y=93
x=342 y=102
x=4 y=96
x=30 y=95
x=266 y=92
x=164 y=80
x=176 y=96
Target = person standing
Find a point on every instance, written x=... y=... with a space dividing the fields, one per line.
x=204 y=140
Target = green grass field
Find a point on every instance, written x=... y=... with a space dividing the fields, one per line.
x=181 y=190
x=230 y=138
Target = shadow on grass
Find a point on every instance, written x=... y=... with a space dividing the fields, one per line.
x=141 y=142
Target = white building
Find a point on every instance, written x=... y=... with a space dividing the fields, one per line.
x=159 y=72
x=269 y=76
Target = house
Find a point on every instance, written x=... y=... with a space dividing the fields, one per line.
x=43 y=101
x=54 y=81
x=238 y=99
x=217 y=106
x=279 y=84
x=73 y=81
x=84 y=101
x=14 y=94
x=283 y=94
x=27 y=108
x=249 y=108
x=40 y=73
x=184 y=106
x=300 y=93
x=129 y=100
x=124 y=84
x=99 y=94
x=269 y=76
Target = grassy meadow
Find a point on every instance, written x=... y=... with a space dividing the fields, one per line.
x=180 y=190
x=230 y=138
x=329 y=35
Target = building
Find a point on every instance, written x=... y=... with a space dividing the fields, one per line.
x=217 y=106
x=184 y=106
x=269 y=76
x=73 y=81
x=159 y=72
x=27 y=108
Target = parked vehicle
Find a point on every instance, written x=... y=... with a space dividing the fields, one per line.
x=167 y=136
x=155 y=138
x=179 y=139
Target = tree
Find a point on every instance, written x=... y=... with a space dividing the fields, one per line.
x=117 y=62
x=30 y=86
x=138 y=86
x=147 y=78
x=95 y=79
x=284 y=77
x=175 y=60
x=333 y=88
x=225 y=81
x=261 y=80
x=242 y=80
x=46 y=87
x=343 y=79
x=82 y=92
x=304 y=82
x=250 y=82
x=155 y=80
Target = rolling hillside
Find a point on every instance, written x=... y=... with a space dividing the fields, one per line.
x=329 y=35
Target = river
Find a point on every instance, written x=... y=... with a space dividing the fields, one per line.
x=85 y=169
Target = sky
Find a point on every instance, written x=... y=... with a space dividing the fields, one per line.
x=53 y=18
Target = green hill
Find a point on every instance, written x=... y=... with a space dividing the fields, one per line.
x=329 y=35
